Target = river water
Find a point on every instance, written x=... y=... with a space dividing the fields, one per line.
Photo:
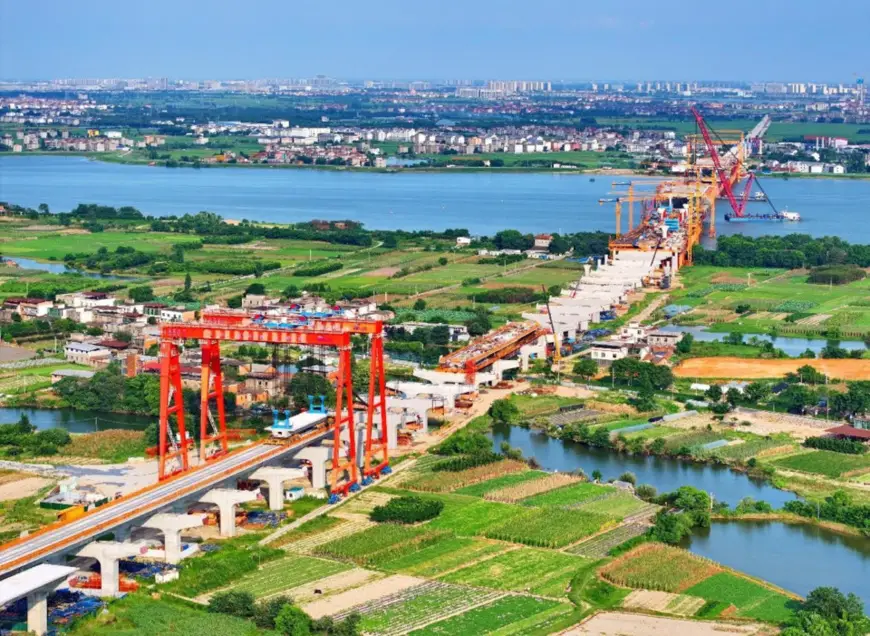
x=483 y=202
x=60 y=268
x=791 y=345
x=798 y=558
x=76 y=421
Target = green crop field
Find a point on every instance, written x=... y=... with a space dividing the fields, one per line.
x=569 y=495
x=420 y=605
x=617 y=505
x=366 y=545
x=751 y=599
x=693 y=439
x=524 y=570
x=508 y=615
x=654 y=433
x=447 y=554
x=480 y=489
x=541 y=405
x=476 y=518
x=548 y=527
x=824 y=462
x=288 y=573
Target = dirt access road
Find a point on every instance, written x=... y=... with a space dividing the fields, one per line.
x=752 y=369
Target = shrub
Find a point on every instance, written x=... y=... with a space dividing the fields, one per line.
x=293 y=621
x=837 y=445
x=267 y=610
x=464 y=442
x=410 y=509
x=234 y=603
x=836 y=274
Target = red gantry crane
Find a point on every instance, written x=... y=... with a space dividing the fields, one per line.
x=325 y=333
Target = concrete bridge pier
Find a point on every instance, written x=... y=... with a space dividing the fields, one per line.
x=35 y=585
x=226 y=499
x=171 y=525
x=108 y=553
x=274 y=477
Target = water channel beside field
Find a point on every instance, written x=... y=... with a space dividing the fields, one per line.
x=664 y=473
x=483 y=202
x=797 y=557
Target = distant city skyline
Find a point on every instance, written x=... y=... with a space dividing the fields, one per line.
x=554 y=40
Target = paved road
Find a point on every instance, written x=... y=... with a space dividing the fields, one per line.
x=14 y=557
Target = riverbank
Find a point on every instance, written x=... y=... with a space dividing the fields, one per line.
x=126 y=159
x=787 y=517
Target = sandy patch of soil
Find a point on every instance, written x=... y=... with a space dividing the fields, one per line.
x=383 y=271
x=340 y=582
x=624 y=624
x=22 y=487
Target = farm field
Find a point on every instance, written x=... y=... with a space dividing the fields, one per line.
x=618 y=505
x=517 y=492
x=366 y=546
x=484 y=487
x=447 y=554
x=751 y=599
x=445 y=481
x=729 y=367
x=823 y=462
x=505 y=616
x=475 y=518
x=599 y=546
x=417 y=606
x=523 y=570
x=549 y=527
x=655 y=566
x=750 y=448
x=569 y=495
x=287 y=573
x=655 y=432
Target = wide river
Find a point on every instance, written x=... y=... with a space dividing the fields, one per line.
x=796 y=557
x=483 y=202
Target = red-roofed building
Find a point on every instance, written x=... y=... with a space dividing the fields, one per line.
x=542 y=241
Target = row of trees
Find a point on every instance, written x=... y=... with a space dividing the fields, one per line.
x=789 y=251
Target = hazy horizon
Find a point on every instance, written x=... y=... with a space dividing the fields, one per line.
x=557 y=40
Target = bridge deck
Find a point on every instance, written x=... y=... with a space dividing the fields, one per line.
x=53 y=539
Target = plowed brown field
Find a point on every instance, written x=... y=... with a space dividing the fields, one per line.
x=748 y=368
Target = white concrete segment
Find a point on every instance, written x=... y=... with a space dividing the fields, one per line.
x=171 y=525
x=275 y=476
x=37 y=577
x=108 y=553
x=103 y=519
x=35 y=584
x=226 y=499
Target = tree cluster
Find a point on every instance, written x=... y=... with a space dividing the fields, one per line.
x=411 y=509
x=278 y=613
x=836 y=444
x=633 y=372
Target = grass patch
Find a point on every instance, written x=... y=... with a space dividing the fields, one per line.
x=475 y=518
x=379 y=543
x=307 y=529
x=751 y=599
x=619 y=505
x=113 y=446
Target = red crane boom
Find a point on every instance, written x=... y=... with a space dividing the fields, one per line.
x=724 y=178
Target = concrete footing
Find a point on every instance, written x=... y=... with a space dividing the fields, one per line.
x=34 y=584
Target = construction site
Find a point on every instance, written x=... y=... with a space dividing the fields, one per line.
x=206 y=475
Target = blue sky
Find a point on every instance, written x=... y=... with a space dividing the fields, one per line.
x=549 y=39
